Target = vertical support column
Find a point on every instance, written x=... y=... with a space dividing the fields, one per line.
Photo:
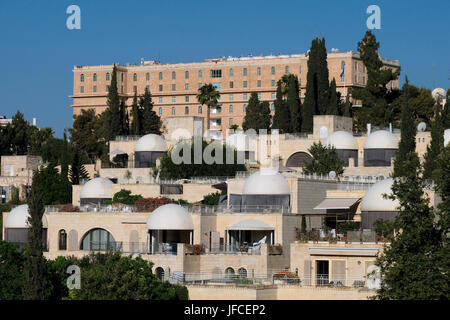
x=191 y=238
x=271 y=237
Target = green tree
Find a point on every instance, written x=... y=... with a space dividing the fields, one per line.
x=113 y=125
x=213 y=199
x=111 y=276
x=446 y=112
x=35 y=266
x=125 y=197
x=325 y=159
x=209 y=96
x=408 y=133
x=124 y=120
x=408 y=265
x=136 y=115
x=151 y=123
x=293 y=102
x=11 y=271
x=282 y=116
x=187 y=169
x=258 y=115
x=65 y=185
x=334 y=101
x=435 y=146
x=18 y=134
x=77 y=170
x=375 y=96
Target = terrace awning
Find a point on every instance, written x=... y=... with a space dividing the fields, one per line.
x=337 y=203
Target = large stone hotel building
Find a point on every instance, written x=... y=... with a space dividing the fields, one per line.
x=174 y=86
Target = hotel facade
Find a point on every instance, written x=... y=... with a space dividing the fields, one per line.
x=174 y=86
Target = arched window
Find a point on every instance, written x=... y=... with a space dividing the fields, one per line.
x=107 y=76
x=229 y=272
x=62 y=240
x=242 y=272
x=95 y=77
x=298 y=159
x=98 y=240
x=135 y=77
x=82 y=78
x=159 y=273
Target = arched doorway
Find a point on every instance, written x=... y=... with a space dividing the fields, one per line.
x=98 y=240
x=298 y=159
x=159 y=273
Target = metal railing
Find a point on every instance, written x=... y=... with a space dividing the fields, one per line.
x=127 y=138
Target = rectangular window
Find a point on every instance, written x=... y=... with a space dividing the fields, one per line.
x=258 y=71
x=231 y=72
x=160 y=87
x=147 y=88
x=94 y=89
x=272 y=70
x=160 y=110
x=231 y=97
x=135 y=89
x=174 y=99
x=174 y=75
x=258 y=83
x=273 y=95
x=244 y=96
x=199 y=85
x=186 y=86
x=199 y=109
x=186 y=74
x=147 y=76
x=231 y=84
x=186 y=98
x=82 y=89
x=160 y=99
x=231 y=122
x=356 y=78
x=107 y=88
x=244 y=72
x=259 y=95
x=272 y=83
x=231 y=108
x=186 y=110
x=215 y=73
x=173 y=111
x=160 y=76
x=200 y=73
x=245 y=108
x=174 y=87
x=121 y=89
x=244 y=84
x=218 y=85
x=286 y=70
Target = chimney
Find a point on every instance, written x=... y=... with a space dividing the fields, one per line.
x=368 y=128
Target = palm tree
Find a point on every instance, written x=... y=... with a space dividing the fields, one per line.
x=209 y=96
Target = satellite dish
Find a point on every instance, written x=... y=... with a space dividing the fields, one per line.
x=421 y=127
x=332 y=175
x=373 y=277
x=438 y=93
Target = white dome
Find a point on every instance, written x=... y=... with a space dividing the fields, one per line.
x=18 y=218
x=170 y=217
x=446 y=137
x=438 y=93
x=239 y=141
x=150 y=142
x=97 y=188
x=341 y=140
x=373 y=199
x=381 y=139
x=266 y=181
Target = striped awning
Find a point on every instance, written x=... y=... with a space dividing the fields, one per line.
x=337 y=203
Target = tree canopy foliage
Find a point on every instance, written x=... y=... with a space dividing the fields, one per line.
x=325 y=159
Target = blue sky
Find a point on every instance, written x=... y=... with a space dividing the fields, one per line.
x=38 y=52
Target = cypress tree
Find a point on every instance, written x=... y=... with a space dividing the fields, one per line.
x=293 y=102
x=124 y=120
x=264 y=115
x=446 y=112
x=333 y=102
x=408 y=133
x=310 y=107
x=323 y=83
x=252 y=114
x=113 y=124
x=136 y=115
x=35 y=266
x=282 y=116
x=151 y=121
x=435 y=146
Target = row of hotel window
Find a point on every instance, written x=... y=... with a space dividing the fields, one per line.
x=212 y=74
x=213 y=111
x=215 y=73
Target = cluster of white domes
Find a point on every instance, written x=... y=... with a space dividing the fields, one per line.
x=381 y=139
x=373 y=200
x=341 y=140
x=18 y=218
x=150 y=142
x=97 y=188
x=266 y=181
x=170 y=217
